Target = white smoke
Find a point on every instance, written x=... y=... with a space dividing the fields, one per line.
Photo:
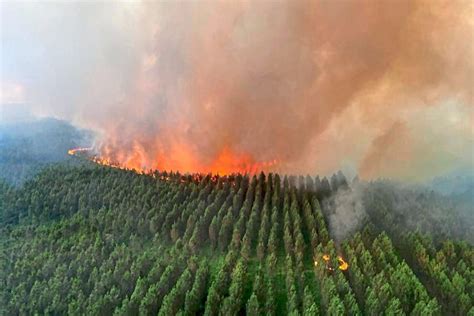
x=347 y=213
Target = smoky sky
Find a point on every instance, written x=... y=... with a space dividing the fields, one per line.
x=382 y=88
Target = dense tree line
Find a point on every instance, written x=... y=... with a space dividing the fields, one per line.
x=92 y=240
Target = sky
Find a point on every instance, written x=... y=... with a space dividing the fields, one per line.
x=374 y=88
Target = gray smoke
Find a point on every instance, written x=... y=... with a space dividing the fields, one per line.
x=347 y=212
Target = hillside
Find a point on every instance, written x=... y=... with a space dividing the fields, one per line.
x=91 y=240
x=28 y=146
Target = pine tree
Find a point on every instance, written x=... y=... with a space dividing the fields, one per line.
x=252 y=306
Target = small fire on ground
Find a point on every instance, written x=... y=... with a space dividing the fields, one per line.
x=343 y=265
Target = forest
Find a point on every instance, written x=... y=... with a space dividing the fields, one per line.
x=84 y=239
x=228 y=158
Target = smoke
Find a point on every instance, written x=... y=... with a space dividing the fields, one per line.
x=401 y=208
x=424 y=145
x=205 y=86
x=346 y=211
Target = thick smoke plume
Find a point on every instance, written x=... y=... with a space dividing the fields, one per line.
x=291 y=86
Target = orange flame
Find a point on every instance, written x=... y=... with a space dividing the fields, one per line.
x=343 y=265
x=75 y=151
x=183 y=159
x=226 y=162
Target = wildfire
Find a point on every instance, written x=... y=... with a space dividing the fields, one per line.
x=75 y=151
x=343 y=265
x=88 y=152
x=226 y=164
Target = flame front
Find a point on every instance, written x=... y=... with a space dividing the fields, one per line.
x=180 y=159
x=74 y=151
